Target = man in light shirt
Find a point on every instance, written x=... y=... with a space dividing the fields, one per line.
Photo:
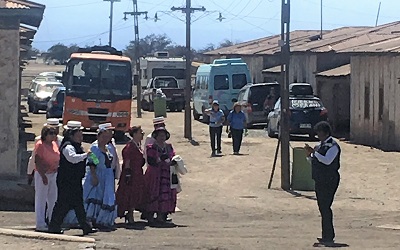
x=53 y=122
x=325 y=161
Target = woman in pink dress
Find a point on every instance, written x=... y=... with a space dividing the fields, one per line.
x=130 y=192
x=161 y=199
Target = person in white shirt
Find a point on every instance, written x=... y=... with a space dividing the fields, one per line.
x=69 y=180
x=53 y=122
x=325 y=162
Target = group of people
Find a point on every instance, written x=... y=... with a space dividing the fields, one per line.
x=77 y=187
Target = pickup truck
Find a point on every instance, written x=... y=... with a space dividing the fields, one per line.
x=169 y=85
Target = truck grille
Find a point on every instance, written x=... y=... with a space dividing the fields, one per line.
x=97 y=118
x=97 y=111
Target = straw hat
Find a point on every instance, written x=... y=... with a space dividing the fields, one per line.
x=73 y=125
x=53 y=122
x=105 y=126
x=158 y=120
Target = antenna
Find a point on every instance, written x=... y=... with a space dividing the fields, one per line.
x=377 y=16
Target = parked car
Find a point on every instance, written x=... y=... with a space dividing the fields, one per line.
x=55 y=106
x=252 y=98
x=169 y=86
x=39 y=94
x=56 y=75
x=305 y=113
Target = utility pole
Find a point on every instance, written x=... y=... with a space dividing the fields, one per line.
x=285 y=115
x=136 y=15
x=111 y=18
x=188 y=10
x=321 y=21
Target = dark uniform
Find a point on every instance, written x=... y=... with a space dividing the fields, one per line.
x=326 y=177
x=70 y=191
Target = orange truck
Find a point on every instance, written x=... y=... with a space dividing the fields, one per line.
x=98 y=83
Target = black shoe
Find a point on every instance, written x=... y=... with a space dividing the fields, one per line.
x=213 y=154
x=55 y=231
x=325 y=241
x=89 y=230
x=219 y=152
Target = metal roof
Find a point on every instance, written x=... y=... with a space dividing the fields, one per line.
x=383 y=38
x=343 y=70
x=22 y=4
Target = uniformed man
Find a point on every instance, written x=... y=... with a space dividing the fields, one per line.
x=325 y=159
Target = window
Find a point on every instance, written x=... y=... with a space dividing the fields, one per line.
x=366 y=102
x=221 y=82
x=239 y=81
x=381 y=98
x=177 y=73
x=165 y=83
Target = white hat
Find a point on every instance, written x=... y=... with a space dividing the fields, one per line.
x=105 y=126
x=215 y=102
x=53 y=122
x=73 y=125
x=158 y=120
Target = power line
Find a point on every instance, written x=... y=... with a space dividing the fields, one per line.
x=73 y=5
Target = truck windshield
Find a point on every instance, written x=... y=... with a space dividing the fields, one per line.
x=177 y=73
x=165 y=83
x=100 y=78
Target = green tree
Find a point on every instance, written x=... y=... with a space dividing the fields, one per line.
x=61 y=52
x=148 y=45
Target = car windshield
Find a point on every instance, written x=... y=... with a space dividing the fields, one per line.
x=95 y=77
x=49 y=88
x=305 y=103
x=165 y=83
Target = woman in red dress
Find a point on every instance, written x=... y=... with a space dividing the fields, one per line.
x=130 y=192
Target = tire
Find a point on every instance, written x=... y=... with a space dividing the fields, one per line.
x=119 y=135
x=196 y=115
x=179 y=108
x=172 y=107
x=35 y=109
x=151 y=107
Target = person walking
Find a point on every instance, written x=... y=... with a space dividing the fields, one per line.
x=47 y=157
x=130 y=192
x=217 y=120
x=55 y=123
x=161 y=198
x=69 y=180
x=325 y=160
x=237 y=123
x=99 y=186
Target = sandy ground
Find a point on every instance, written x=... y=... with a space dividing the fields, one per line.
x=225 y=202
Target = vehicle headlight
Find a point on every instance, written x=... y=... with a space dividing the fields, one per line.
x=121 y=114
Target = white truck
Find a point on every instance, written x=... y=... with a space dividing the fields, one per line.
x=162 y=65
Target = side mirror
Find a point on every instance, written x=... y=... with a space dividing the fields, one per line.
x=234 y=100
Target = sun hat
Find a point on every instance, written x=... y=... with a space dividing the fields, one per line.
x=105 y=126
x=73 y=125
x=158 y=120
x=158 y=130
x=215 y=102
x=53 y=122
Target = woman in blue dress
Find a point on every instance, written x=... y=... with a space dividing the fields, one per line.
x=99 y=183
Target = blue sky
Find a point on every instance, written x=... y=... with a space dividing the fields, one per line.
x=85 y=22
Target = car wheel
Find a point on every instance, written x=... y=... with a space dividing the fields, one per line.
x=196 y=115
x=35 y=109
x=172 y=108
x=179 y=108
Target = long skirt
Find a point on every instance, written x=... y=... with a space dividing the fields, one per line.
x=99 y=201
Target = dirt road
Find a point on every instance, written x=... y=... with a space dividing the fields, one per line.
x=225 y=202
